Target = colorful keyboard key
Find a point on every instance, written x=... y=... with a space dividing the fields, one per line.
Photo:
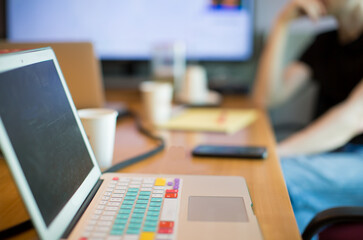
x=166 y=224
x=147 y=236
x=171 y=195
x=160 y=182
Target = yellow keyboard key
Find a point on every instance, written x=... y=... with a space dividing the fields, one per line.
x=160 y=182
x=147 y=236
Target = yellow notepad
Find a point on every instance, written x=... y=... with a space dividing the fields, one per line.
x=212 y=120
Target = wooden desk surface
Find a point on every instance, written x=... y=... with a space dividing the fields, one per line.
x=264 y=178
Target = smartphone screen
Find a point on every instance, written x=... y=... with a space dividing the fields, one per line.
x=230 y=151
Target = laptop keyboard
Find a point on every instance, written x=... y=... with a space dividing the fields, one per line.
x=136 y=209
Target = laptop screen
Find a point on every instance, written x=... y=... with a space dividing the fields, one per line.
x=44 y=134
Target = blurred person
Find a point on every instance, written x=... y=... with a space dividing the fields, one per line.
x=227 y=3
x=323 y=163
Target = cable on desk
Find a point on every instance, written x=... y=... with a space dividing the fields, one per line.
x=141 y=157
x=26 y=225
x=17 y=229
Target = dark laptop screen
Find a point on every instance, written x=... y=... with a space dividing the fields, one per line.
x=44 y=134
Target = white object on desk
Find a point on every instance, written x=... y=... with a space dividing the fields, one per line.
x=195 y=90
x=156 y=98
x=100 y=126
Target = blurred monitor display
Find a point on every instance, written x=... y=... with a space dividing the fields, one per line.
x=129 y=29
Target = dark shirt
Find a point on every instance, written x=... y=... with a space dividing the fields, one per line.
x=337 y=68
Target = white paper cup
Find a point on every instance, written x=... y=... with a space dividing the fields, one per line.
x=194 y=88
x=100 y=126
x=156 y=98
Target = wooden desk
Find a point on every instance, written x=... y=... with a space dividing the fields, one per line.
x=264 y=178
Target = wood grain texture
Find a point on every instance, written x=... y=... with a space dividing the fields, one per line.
x=264 y=178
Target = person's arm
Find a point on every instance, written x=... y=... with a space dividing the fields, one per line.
x=332 y=130
x=274 y=84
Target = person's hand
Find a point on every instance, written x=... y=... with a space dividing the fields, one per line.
x=313 y=9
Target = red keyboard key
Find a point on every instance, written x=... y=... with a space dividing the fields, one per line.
x=171 y=195
x=115 y=178
x=165 y=230
x=171 y=190
x=166 y=224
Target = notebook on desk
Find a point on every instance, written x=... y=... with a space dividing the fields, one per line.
x=64 y=190
x=211 y=120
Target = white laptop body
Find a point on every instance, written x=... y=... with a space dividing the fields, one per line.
x=61 y=184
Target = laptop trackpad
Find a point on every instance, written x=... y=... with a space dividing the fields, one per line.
x=217 y=209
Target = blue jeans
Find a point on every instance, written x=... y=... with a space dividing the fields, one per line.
x=318 y=182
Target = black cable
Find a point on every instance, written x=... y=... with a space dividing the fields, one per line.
x=14 y=230
x=26 y=225
x=141 y=157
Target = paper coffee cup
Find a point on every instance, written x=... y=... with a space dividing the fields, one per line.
x=156 y=98
x=194 y=88
x=100 y=127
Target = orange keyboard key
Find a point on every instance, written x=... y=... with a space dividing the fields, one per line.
x=171 y=195
x=166 y=224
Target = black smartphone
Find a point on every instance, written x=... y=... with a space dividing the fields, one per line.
x=230 y=151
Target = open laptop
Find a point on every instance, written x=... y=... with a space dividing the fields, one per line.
x=64 y=190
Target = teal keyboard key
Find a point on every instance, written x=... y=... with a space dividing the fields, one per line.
x=130 y=198
x=121 y=220
x=149 y=223
x=118 y=227
x=133 y=190
x=153 y=213
x=135 y=225
x=152 y=218
x=133 y=231
x=136 y=220
x=140 y=201
x=123 y=216
x=126 y=206
x=149 y=229
x=144 y=197
x=131 y=193
x=117 y=232
x=139 y=210
x=156 y=200
x=128 y=202
x=154 y=209
x=138 y=215
x=155 y=204
x=145 y=193
x=140 y=205
x=126 y=210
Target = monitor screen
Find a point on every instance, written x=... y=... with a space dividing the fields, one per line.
x=130 y=29
x=44 y=135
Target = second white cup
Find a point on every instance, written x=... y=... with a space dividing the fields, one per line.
x=100 y=127
x=157 y=98
x=194 y=88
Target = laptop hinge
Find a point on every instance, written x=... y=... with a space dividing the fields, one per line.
x=83 y=208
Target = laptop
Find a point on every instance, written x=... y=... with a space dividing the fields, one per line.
x=66 y=194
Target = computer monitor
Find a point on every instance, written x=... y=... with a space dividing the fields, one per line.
x=212 y=30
